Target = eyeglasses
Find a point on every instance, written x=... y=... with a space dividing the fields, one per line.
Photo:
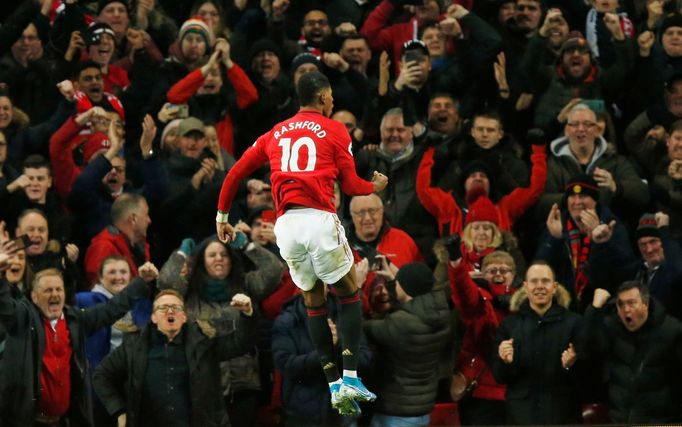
x=501 y=271
x=119 y=169
x=177 y=308
x=313 y=22
x=362 y=212
x=586 y=125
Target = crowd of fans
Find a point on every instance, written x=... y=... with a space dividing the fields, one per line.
x=524 y=260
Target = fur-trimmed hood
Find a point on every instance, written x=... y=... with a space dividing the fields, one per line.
x=562 y=297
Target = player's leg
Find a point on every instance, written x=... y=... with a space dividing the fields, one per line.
x=294 y=232
x=318 y=328
x=321 y=336
x=350 y=332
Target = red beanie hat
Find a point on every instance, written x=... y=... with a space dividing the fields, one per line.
x=95 y=143
x=480 y=207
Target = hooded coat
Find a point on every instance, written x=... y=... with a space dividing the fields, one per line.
x=539 y=390
x=631 y=193
x=411 y=342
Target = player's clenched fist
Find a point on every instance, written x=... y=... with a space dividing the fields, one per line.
x=380 y=181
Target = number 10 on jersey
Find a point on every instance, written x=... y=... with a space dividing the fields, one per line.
x=290 y=153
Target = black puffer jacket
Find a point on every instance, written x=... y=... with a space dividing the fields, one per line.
x=412 y=341
x=644 y=374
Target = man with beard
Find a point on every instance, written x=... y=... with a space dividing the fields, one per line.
x=642 y=350
x=548 y=39
x=316 y=32
x=45 y=366
x=577 y=75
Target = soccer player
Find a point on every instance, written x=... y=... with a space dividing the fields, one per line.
x=307 y=153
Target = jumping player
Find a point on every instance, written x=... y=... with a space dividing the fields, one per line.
x=307 y=153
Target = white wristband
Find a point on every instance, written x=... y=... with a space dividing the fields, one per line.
x=221 y=217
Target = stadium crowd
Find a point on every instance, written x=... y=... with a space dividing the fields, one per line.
x=524 y=260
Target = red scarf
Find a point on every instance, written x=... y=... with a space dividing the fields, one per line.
x=580 y=250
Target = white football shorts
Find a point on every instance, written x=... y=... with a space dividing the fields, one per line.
x=313 y=243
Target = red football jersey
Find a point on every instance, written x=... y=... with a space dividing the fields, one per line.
x=307 y=153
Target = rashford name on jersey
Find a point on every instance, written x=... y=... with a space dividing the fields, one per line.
x=312 y=126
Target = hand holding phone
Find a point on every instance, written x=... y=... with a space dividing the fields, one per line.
x=22 y=242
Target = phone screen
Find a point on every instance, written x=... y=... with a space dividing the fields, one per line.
x=413 y=56
x=22 y=242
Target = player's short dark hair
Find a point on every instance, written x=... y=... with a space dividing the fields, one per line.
x=309 y=87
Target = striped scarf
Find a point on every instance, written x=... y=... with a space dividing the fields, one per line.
x=580 y=250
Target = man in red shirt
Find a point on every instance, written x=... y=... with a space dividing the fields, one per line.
x=307 y=153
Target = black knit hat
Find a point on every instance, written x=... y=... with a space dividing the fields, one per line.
x=415 y=279
x=104 y=3
x=93 y=35
x=582 y=184
x=305 y=58
x=647 y=227
x=264 y=44
x=671 y=20
x=476 y=165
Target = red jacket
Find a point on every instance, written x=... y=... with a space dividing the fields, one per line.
x=115 y=79
x=64 y=169
x=443 y=206
x=398 y=247
x=247 y=94
x=383 y=36
x=109 y=241
x=481 y=320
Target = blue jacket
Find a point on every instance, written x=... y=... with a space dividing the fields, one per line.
x=98 y=344
x=90 y=198
x=305 y=392
x=665 y=284
x=557 y=252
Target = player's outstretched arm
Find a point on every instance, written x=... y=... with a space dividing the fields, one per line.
x=225 y=231
x=380 y=181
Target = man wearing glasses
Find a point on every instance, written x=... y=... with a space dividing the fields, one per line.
x=372 y=238
x=583 y=151
x=169 y=373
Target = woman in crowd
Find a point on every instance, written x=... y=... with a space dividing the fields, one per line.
x=218 y=272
